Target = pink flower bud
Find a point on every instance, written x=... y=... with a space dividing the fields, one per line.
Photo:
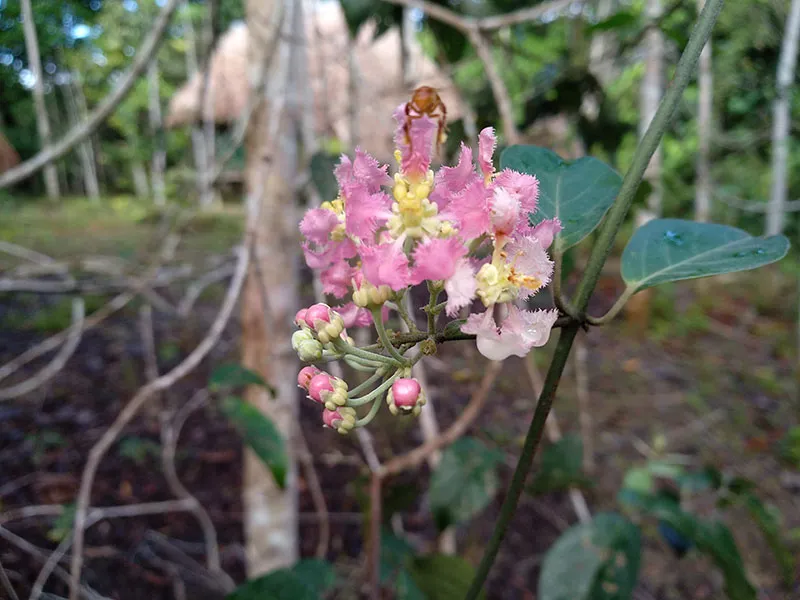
x=305 y=376
x=319 y=383
x=332 y=418
x=406 y=393
x=317 y=312
x=300 y=317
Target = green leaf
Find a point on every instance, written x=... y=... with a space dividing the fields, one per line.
x=464 y=482
x=453 y=327
x=396 y=554
x=768 y=519
x=597 y=560
x=307 y=580
x=562 y=466
x=577 y=193
x=673 y=249
x=322 y=165
x=260 y=434
x=235 y=375
x=621 y=20
x=714 y=539
x=62 y=526
x=442 y=577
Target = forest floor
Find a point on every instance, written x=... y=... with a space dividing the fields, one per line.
x=710 y=375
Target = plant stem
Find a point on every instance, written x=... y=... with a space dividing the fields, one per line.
x=376 y=392
x=365 y=384
x=346 y=348
x=400 y=306
x=434 y=290
x=367 y=419
x=614 y=310
x=384 y=337
x=600 y=252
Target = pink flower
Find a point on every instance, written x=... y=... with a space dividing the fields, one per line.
x=353 y=316
x=470 y=211
x=519 y=332
x=460 y=287
x=487 y=142
x=505 y=212
x=530 y=263
x=319 y=383
x=546 y=231
x=300 y=317
x=364 y=212
x=450 y=181
x=317 y=224
x=336 y=278
x=436 y=259
x=318 y=312
x=405 y=396
x=327 y=254
x=416 y=148
x=524 y=187
x=364 y=170
x=385 y=264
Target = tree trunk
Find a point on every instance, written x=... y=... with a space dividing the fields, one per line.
x=651 y=91
x=85 y=151
x=42 y=122
x=141 y=187
x=159 y=160
x=271 y=297
x=198 y=141
x=705 y=84
x=781 y=122
x=204 y=176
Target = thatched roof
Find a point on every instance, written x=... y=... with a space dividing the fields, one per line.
x=380 y=85
x=8 y=156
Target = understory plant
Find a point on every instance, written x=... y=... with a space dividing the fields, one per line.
x=483 y=240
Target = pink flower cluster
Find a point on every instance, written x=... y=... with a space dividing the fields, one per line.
x=383 y=234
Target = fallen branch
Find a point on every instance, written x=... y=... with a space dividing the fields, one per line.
x=106 y=107
x=59 y=360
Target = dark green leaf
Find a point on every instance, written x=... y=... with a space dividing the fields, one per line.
x=442 y=577
x=396 y=555
x=577 y=193
x=453 y=327
x=714 y=539
x=673 y=249
x=235 y=375
x=562 y=466
x=317 y=574
x=278 y=585
x=322 y=166
x=260 y=434
x=768 y=519
x=359 y=12
x=619 y=20
x=697 y=481
x=597 y=560
x=464 y=482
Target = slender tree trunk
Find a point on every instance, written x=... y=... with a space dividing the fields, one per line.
x=705 y=84
x=651 y=92
x=271 y=296
x=85 y=152
x=42 y=122
x=781 y=121
x=159 y=160
x=207 y=110
x=198 y=140
x=141 y=186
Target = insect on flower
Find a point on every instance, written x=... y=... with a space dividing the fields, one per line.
x=426 y=101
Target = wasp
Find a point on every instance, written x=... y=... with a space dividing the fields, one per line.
x=425 y=101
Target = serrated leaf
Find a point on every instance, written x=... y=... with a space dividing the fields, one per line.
x=235 y=375
x=561 y=467
x=442 y=577
x=260 y=434
x=577 y=193
x=673 y=250
x=464 y=482
x=597 y=560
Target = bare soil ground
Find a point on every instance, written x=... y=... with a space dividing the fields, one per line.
x=711 y=373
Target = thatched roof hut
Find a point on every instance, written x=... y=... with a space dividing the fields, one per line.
x=8 y=156
x=380 y=84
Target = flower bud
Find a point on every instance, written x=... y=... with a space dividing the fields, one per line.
x=342 y=419
x=328 y=390
x=300 y=317
x=309 y=351
x=366 y=295
x=325 y=321
x=405 y=396
x=298 y=337
x=305 y=376
x=317 y=312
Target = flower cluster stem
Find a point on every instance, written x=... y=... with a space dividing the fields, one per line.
x=374 y=393
x=605 y=240
x=434 y=290
x=384 y=337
